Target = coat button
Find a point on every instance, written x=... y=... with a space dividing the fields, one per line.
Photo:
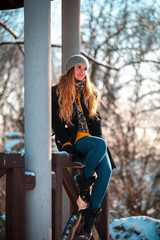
x=66 y=126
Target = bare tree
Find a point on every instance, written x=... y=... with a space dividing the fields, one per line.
x=11 y=74
x=124 y=34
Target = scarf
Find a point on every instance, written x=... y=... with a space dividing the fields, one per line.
x=82 y=122
x=79 y=85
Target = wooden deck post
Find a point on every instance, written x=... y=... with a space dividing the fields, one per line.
x=13 y=166
x=103 y=223
x=15 y=202
x=58 y=206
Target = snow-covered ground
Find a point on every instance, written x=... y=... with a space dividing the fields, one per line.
x=135 y=228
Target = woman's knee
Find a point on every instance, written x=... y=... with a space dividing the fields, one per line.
x=101 y=145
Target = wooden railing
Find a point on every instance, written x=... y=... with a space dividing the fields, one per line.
x=65 y=169
x=12 y=164
x=17 y=183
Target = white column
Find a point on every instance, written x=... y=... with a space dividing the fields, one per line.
x=71 y=36
x=37 y=117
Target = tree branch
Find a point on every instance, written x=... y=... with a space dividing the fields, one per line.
x=99 y=63
x=140 y=61
x=8 y=29
x=149 y=110
x=11 y=42
x=146 y=94
x=12 y=33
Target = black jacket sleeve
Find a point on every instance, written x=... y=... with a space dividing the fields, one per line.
x=95 y=128
x=59 y=128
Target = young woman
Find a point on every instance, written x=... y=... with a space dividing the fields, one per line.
x=77 y=127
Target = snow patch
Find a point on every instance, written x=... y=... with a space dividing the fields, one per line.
x=62 y=152
x=135 y=228
x=3 y=217
x=27 y=173
x=13 y=134
x=12 y=143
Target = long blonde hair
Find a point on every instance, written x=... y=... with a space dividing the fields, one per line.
x=66 y=93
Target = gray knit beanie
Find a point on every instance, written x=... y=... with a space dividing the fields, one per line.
x=76 y=59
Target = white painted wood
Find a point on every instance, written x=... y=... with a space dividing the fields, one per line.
x=70 y=45
x=71 y=35
x=37 y=117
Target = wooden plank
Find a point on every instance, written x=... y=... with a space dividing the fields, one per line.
x=70 y=187
x=30 y=182
x=95 y=235
x=71 y=226
x=11 y=160
x=53 y=214
x=103 y=229
x=53 y=181
x=3 y=171
x=58 y=205
x=63 y=160
x=15 y=204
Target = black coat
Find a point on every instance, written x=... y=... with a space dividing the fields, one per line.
x=66 y=132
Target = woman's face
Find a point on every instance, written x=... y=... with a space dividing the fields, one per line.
x=80 y=71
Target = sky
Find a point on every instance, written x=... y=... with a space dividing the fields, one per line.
x=56 y=22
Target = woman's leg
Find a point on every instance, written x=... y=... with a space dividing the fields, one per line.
x=99 y=189
x=96 y=160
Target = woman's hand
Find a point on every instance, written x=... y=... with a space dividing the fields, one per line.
x=69 y=149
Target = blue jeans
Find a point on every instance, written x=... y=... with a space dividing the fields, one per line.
x=96 y=160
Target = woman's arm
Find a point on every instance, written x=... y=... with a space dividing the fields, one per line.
x=95 y=128
x=59 y=128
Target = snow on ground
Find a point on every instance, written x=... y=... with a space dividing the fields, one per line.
x=135 y=228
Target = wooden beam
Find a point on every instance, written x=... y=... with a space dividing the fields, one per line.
x=30 y=182
x=70 y=187
x=11 y=160
x=71 y=226
x=63 y=160
x=15 y=204
x=57 y=205
x=103 y=229
x=3 y=171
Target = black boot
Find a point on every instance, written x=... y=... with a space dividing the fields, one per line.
x=83 y=185
x=89 y=217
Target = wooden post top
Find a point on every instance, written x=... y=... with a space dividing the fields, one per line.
x=10 y=160
x=63 y=160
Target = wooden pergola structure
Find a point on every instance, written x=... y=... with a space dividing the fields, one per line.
x=37 y=84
